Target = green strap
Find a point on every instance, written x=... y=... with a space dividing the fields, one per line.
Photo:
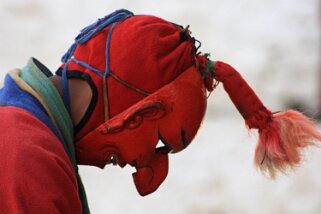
x=43 y=86
x=40 y=83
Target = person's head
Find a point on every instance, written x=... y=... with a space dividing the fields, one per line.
x=146 y=88
x=149 y=83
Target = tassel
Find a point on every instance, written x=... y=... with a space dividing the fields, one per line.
x=281 y=139
x=281 y=135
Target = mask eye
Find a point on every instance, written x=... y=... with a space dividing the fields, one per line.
x=162 y=146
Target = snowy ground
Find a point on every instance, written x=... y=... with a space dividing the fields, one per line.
x=276 y=46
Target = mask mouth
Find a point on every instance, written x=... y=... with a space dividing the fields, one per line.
x=147 y=179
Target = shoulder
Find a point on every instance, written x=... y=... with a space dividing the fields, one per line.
x=33 y=161
x=21 y=131
x=24 y=137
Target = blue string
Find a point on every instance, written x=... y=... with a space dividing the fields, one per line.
x=107 y=48
x=95 y=70
x=89 y=31
x=86 y=65
x=86 y=34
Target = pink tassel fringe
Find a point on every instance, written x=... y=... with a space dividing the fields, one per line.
x=281 y=140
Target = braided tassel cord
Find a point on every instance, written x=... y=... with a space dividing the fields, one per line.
x=281 y=135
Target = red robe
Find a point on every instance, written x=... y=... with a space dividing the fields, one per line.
x=36 y=173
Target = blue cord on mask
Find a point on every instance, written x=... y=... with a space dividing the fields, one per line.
x=86 y=34
x=89 y=31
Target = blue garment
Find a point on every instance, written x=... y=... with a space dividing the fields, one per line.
x=12 y=95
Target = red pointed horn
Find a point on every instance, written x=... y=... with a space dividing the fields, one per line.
x=281 y=135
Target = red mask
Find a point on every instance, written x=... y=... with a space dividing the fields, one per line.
x=122 y=52
x=145 y=90
x=172 y=114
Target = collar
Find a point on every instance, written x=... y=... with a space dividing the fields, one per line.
x=33 y=78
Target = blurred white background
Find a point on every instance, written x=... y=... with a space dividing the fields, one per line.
x=275 y=45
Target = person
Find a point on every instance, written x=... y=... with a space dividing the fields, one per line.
x=127 y=82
